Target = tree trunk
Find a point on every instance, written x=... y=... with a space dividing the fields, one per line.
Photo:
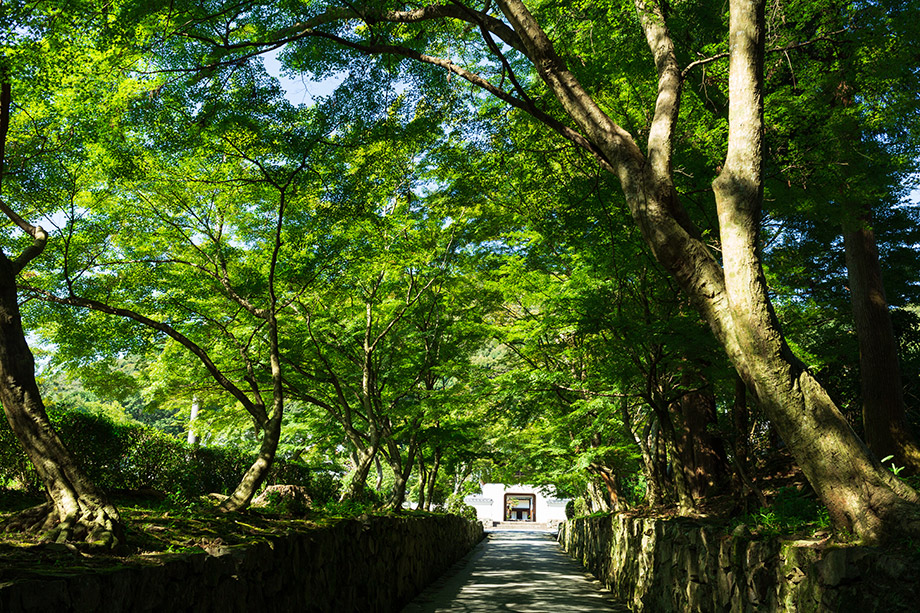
x=402 y=470
x=705 y=463
x=364 y=459
x=596 y=496
x=398 y=495
x=433 y=479
x=605 y=488
x=886 y=430
x=741 y=423
x=685 y=501
x=271 y=433
x=653 y=490
x=193 y=437
x=860 y=494
x=378 y=484
x=256 y=474
x=422 y=481
x=77 y=510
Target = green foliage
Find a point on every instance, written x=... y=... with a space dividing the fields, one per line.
x=792 y=510
x=895 y=470
x=446 y=267
x=130 y=456
x=350 y=508
x=456 y=506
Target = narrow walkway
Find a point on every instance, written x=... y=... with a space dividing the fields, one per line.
x=516 y=570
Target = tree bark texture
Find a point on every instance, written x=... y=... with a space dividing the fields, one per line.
x=256 y=474
x=704 y=460
x=675 y=457
x=364 y=459
x=860 y=494
x=884 y=422
x=77 y=509
x=605 y=488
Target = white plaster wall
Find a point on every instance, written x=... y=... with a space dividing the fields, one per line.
x=489 y=504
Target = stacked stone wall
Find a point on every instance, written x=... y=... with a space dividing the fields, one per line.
x=374 y=565
x=665 y=565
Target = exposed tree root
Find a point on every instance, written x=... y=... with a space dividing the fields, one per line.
x=96 y=527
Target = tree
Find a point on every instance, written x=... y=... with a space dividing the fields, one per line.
x=886 y=431
x=588 y=318
x=730 y=293
x=76 y=508
x=839 y=152
x=224 y=235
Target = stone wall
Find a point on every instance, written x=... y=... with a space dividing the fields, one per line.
x=374 y=565
x=664 y=565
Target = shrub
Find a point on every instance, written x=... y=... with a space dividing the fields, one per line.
x=118 y=455
x=284 y=499
x=456 y=506
x=790 y=511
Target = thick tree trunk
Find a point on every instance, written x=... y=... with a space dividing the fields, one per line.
x=364 y=459
x=77 y=509
x=686 y=504
x=704 y=460
x=861 y=496
x=596 y=497
x=886 y=430
x=255 y=476
x=859 y=493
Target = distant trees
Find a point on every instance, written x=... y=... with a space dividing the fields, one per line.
x=730 y=292
x=505 y=222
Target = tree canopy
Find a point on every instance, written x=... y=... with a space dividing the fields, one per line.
x=620 y=248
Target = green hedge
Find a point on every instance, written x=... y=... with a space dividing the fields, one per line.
x=132 y=456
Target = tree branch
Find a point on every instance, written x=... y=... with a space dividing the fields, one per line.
x=254 y=409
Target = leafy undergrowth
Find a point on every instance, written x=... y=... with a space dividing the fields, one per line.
x=155 y=530
x=792 y=511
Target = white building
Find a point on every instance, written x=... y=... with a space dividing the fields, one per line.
x=498 y=502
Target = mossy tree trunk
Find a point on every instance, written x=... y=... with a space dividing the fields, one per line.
x=861 y=496
x=76 y=510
